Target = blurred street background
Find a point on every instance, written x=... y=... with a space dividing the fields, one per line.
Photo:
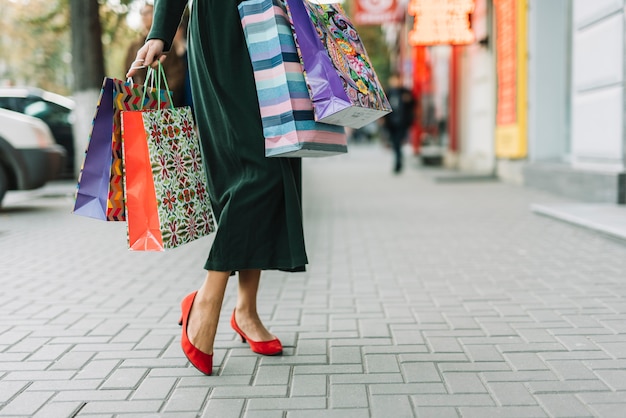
x=473 y=265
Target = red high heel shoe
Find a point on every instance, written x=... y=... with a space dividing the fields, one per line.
x=200 y=360
x=267 y=348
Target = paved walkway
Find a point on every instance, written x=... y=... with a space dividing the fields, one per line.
x=422 y=299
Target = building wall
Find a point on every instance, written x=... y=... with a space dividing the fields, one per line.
x=597 y=91
x=549 y=80
x=477 y=121
x=577 y=137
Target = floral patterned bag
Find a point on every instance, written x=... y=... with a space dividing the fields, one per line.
x=167 y=201
x=342 y=82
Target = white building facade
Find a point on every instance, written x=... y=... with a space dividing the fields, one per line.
x=577 y=141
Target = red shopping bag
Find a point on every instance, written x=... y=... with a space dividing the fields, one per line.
x=167 y=199
x=100 y=191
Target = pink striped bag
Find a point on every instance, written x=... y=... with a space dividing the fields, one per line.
x=287 y=115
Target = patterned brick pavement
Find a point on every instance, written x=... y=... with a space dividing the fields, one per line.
x=422 y=299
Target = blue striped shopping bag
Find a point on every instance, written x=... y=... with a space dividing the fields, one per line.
x=286 y=109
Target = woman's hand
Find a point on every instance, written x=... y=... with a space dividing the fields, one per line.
x=148 y=55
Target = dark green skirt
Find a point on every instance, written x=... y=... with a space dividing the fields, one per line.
x=257 y=200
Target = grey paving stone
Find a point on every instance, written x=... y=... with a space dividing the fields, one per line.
x=48 y=352
x=122 y=407
x=25 y=366
x=272 y=375
x=381 y=363
x=615 y=349
x=223 y=408
x=525 y=361
x=502 y=411
x=563 y=405
x=264 y=414
x=437 y=357
x=325 y=369
x=331 y=413
x=186 y=399
x=71 y=361
x=194 y=379
x=438 y=411
x=58 y=409
x=154 y=388
x=483 y=352
x=348 y=396
x=401 y=406
x=396 y=349
x=570 y=386
x=406 y=388
x=520 y=376
x=240 y=365
x=153 y=363
x=312 y=347
x=571 y=370
x=420 y=372
x=10 y=389
x=616 y=379
x=309 y=385
x=512 y=394
x=92 y=395
x=26 y=403
x=124 y=379
x=138 y=354
x=290 y=359
x=248 y=391
x=464 y=382
x=284 y=404
x=65 y=385
x=345 y=355
x=406 y=336
x=159 y=415
x=39 y=375
x=607 y=411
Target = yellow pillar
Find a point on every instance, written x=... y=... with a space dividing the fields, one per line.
x=511 y=129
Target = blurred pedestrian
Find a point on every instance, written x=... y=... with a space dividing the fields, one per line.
x=256 y=199
x=175 y=67
x=398 y=122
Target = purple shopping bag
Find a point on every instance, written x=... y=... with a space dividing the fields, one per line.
x=92 y=192
x=343 y=84
x=100 y=190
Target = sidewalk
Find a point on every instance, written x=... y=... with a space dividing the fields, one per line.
x=422 y=299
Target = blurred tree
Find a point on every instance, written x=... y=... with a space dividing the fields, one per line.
x=87 y=56
x=87 y=66
x=65 y=46
x=35 y=43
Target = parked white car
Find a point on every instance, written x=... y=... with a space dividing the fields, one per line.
x=29 y=155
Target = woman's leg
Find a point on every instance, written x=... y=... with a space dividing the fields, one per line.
x=205 y=312
x=246 y=313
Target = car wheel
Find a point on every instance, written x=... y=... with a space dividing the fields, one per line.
x=4 y=184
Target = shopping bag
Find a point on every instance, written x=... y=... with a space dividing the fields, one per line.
x=167 y=201
x=343 y=84
x=100 y=190
x=287 y=117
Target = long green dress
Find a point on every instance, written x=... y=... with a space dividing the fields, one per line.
x=256 y=200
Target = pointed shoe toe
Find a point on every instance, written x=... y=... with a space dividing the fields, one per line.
x=200 y=360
